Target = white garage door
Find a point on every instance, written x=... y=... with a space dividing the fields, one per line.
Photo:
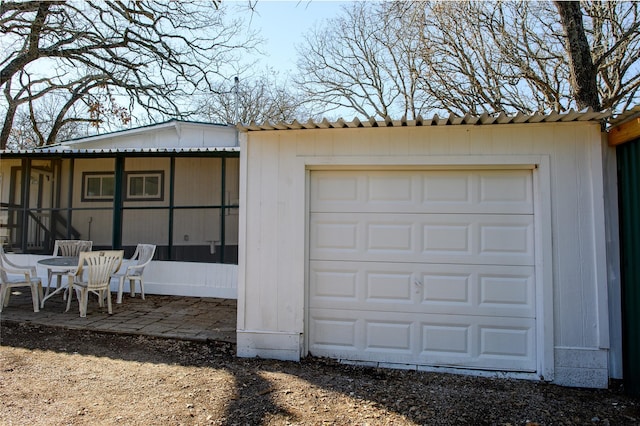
x=429 y=268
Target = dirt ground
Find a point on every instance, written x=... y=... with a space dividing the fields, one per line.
x=54 y=376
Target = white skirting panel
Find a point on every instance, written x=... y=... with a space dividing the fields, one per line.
x=190 y=279
x=169 y=278
x=580 y=367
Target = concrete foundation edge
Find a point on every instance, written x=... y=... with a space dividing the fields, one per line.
x=580 y=367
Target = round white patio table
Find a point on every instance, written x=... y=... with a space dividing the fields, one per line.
x=58 y=264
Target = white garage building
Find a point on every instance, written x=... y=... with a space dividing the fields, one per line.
x=472 y=244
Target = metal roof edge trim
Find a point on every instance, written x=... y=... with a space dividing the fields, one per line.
x=451 y=120
x=60 y=150
x=625 y=116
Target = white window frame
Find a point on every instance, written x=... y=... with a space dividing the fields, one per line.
x=157 y=196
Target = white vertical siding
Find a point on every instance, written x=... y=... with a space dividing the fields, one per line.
x=272 y=277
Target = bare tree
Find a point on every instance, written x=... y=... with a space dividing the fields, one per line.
x=476 y=56
x=24 y=134
x=487 y=58
x=266 y=98
x=583 y=71
x=531 y=56
x=367 y=60
x=105 y=58
x=613 y=31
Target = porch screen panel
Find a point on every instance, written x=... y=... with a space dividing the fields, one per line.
x=95 y=225
x=87 y=217
x=10 y=196
x=231 y=211
x=147 y=226
x=232 y=181
x=65 y=181
x=231 y=235
x=39 y=205
x=198 y=182
x=196 y=235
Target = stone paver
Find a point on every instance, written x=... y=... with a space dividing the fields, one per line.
x=188 y=318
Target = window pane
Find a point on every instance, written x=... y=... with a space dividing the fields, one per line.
x=151 y=186
x=108 y=184
x=93 y=187
x=136 y=186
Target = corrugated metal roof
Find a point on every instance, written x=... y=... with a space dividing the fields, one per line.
x=174 y=122
x=451 y=120
x=58 y=150
x=625 y=116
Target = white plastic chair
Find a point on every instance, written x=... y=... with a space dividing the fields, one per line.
x=29 y=278
x=142 y=256
x=99 y=266
x=71 y=248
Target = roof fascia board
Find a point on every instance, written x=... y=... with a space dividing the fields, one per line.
x=625 y=132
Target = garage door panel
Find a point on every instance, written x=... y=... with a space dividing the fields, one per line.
x=511 y=238
x=354 y=284
x=388 y=287
x=335 y=283
x=447 y=288
x=390 y=188
x=503 y=188
x=389 y=237
x=419 y=288
x=426 y=191
x=446 y=339
x=331 y=332
x=480 y=343
x=433 y=238
x=504 y=342
x=443 y=239
x=336 y=189
x=389 y=336
x=506 y=289
x=423 y=267
x=432 y=339
x=333 y=235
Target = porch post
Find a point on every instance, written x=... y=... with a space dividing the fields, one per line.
x=24 y=201
x=116 y=239
x=172 y=187
x=223 y=207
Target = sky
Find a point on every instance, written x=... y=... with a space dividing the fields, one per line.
x=283 y=24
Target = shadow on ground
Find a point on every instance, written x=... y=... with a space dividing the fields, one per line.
x=315 y=391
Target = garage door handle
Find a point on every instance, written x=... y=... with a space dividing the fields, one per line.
x=417 y=283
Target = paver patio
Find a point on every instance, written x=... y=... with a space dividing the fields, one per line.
x=188 y=318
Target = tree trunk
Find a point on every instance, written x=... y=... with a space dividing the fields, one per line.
x=8 y=121
x=583 y=71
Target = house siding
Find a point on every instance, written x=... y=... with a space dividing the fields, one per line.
x=202 y=216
